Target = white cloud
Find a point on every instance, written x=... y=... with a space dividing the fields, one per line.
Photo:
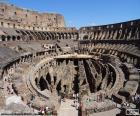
x=93 y=24
x=70 y=23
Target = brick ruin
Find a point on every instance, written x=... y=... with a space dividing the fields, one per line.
x=41 y=59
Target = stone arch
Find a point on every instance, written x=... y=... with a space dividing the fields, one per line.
x=3 y=37
x=59 y=35
x=43 y=84
x=65 y=35
x=23 y=33
x=38 y=35
x=13 y=38
x=85 y=37
x=48 y=36
x=34 y=35
x=42 y=35
x=18 y=38
x=52 y=36
x=8 y=38
x=56 y=36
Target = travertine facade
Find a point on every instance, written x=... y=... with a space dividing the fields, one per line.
x=14 y=17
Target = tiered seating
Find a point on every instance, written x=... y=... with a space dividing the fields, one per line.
x=130 y=85
x=6 y=55
x=133 y=73
x=132 y=77
x=130 y=49
x=16 y=35
x=111 y=44
x=17 y=72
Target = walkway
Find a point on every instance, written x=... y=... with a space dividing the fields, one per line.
x=112 y=112
x=75 y=55
x=66 y=109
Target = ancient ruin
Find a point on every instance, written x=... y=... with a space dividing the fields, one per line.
x=42 y=62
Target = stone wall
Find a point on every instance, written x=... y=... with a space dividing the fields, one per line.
x=14 y=17
x=120 y=31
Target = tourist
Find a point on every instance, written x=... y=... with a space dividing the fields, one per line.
x=77 y=95
x=47 y=108
x=42 y=110
x=80 y=105
x=77 y=106
x=137 y=98
x=73 y=96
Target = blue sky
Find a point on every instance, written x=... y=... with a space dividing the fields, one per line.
x=80 y=13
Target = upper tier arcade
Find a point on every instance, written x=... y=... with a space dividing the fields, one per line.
x=120 y=39
x=120 y=31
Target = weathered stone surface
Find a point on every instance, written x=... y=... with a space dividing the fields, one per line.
x=42 y=61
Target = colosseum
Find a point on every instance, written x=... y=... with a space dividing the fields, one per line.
x=47 y=68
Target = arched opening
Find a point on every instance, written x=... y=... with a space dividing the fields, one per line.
x=13 y=38
x=85 y=37
x=125 y=71
x=8 y=38
x=14 y=26
x=3 y=37
x=47 y=38
x=18 y=37
x=17 y=31
x=2 y=24
x=30 y=38
x=37 y=82
x=43 y=84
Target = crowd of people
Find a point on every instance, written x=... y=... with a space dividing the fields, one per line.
x=45 y=111
x=76 y=101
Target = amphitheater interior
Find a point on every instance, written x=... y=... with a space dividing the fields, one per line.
x=41 y=60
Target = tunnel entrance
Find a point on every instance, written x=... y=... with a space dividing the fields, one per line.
x=76 y=62
x=43 y=84
x=65 y=88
